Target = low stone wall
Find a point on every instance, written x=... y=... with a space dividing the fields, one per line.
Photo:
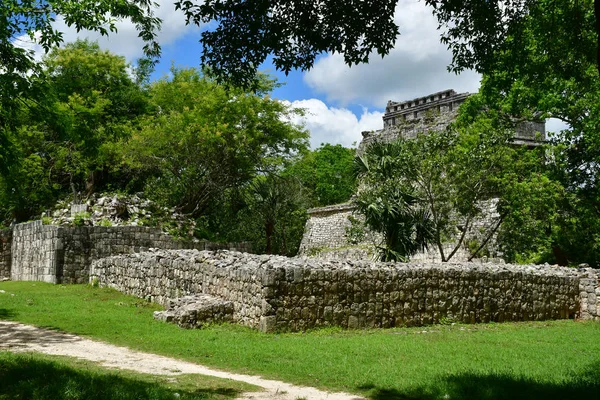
x=5 y=253
x=279 y=293
x=163 y=275
x=63 y=254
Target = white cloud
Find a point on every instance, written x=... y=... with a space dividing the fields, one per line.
x=335 y=125
x=25 y=42
x=554 y=125
x=415 y=67
x=125 y=41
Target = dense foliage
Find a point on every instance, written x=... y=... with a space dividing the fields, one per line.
x=226 y=158
x=61 y=138
x=548 y=69
x=327 y=173
x=458 y=187
x=28 y=20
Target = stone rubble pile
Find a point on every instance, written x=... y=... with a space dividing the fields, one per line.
x=196 y=311
x=118 y=210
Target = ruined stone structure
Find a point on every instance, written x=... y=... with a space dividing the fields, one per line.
x=193 y=312
x=434 y=113
x=294 y=294
x=275 y=293
x=63 y=254
x=326 y=232
x=5 y=253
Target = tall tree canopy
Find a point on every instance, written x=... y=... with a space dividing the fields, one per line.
x=61 y=144
x=296 y=32
x=22 y=20
x=203 y=139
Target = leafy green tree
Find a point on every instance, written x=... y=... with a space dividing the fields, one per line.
x=540 y=75
x=203 y=140
x=327 y=173
x=452 y=177
x=390 y=203
x=32 y=19
x=63 y=144
x=277 y=207
x=294 y=33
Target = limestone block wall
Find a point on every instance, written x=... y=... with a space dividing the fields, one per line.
x=293 y=294
x=326 y=227
x=5 y=253
x=63 y=254
x=36 y=252
x=589 y=288
x=163 y=275
x=326 y=236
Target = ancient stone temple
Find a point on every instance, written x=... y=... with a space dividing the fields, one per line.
x=435 y=112
x=330 y=231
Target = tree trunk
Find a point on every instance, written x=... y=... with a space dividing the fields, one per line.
x=597 y=17
x=269 y=228
x=487 y=239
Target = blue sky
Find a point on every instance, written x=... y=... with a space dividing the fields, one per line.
x=340 y=101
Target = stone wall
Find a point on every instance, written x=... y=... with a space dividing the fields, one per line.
x=35 y=252
x=5 y=253
x=589 y=288
x=279 y=293
x=163 y=275
x=63 y=254
x=328 y=235
x=326 y=228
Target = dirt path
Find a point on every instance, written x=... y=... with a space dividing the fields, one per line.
x=17 y=337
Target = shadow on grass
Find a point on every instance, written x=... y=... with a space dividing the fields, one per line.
x=6 y=313
x=26 y=377
x=495 y=387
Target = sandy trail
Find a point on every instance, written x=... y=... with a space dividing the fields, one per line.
x=20 y=338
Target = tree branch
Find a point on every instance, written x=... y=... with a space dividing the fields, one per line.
x=597 y=15
x=487 y=239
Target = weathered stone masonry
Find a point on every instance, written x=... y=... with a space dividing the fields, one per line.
x=327 y=227
x=63 y=254
x=279 y=293
x=5 y=253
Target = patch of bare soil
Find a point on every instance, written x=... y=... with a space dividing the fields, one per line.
x=21 y=338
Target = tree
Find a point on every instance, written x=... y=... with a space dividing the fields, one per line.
x=479 y=32
x=294 y=33
x=278 y=205
x=326 y=173
x=62 y=144
x=537 y=74
x=455 y=177
x=204 y=139
x=20 y=76
x=21 y=19
x=390 y=204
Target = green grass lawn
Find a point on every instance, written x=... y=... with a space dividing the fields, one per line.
x=38 y=377
x=543 y=360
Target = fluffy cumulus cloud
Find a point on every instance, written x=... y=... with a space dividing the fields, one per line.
x=415 y=67
x=125 y=41
x=335 y=125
